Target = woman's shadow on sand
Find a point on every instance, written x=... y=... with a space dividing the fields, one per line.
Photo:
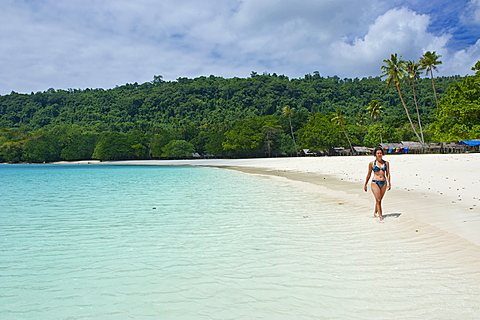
x=392 y=215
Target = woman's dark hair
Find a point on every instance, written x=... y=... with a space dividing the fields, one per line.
x=376 y=149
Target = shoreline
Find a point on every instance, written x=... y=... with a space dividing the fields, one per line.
x=429 y=190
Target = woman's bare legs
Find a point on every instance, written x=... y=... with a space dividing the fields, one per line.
x=378 y=193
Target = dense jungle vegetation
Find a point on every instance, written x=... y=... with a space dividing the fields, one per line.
x=263 y=115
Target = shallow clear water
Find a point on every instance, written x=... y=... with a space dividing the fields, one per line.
x=112 y=242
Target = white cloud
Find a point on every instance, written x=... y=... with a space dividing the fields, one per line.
x=462 y=61
x=86 y=43
x=473 y=13
x=397 y=31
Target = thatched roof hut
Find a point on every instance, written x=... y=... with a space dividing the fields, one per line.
x=394 y=147
x=363 y=150
x=308 y=152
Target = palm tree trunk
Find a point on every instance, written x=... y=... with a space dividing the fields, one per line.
x=418 y=112
x=293 y=136
x=348 y=139
x=433 y=85
x=408 y=115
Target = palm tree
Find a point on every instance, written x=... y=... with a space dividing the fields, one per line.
x=270 y=130
x=414 y=71
x=429 y=61
x=394 y=70
x=339 y=120
x=361 y=118
x=287 y=111
x=375 y=111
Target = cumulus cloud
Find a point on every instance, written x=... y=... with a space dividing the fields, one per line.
x=86 y=43
x=462 y=61
x=294 y=37
x=399 y=31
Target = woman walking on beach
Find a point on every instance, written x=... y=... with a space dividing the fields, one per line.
x=380 y=181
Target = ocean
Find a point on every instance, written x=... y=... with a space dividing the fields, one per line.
x=173 y=242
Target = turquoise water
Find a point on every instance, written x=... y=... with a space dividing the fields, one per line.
x=138 y=242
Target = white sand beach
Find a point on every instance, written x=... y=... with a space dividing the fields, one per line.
x=431 y=193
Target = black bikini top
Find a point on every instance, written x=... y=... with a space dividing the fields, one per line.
x=377 y=168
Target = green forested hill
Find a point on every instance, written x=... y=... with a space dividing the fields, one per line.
x=224 y=117
x=206 y=100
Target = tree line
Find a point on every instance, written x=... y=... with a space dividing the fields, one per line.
x=263 y=115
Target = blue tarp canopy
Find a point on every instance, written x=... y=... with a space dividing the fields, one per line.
x=472 y=143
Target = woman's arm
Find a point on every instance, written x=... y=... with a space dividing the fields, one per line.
x=389 y=185
x=370 y=168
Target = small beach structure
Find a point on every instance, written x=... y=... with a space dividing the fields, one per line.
x=452 y=147
x=413 y=147
x=341 y=151
x=471 y=145
x=396 y=147
x=443 y=147
x=362 y=150
x=308 y=152
x=410 y=147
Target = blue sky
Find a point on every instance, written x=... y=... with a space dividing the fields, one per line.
x=101 y=44
x=454 y=17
